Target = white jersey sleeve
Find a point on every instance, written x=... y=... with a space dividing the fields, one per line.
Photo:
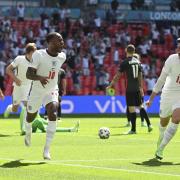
x=16 y=62
x=168 y=65
x=169 y=79
x=36 y=59
x=160 y=82
x=162 y=78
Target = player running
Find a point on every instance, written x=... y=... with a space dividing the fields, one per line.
x=44 y=73
x=169 y=83
x=21 y=85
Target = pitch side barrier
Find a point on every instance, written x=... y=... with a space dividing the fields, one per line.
x=98 y=105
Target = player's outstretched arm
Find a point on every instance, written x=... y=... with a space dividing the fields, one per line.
x=114 y=80
x=31 y=74
x=151 y=98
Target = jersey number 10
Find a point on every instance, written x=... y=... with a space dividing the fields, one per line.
x=51 y=74
x=135 y=70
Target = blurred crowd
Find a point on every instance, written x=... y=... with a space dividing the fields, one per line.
x=94 y=47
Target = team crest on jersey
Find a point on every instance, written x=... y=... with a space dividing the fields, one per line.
x=54 y=63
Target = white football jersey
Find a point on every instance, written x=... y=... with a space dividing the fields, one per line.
x=172 y=68
x=47 y=66
x=21 y=65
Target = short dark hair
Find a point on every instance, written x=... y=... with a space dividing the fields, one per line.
x=130 y=49
x=51 y=35
x=30 y=47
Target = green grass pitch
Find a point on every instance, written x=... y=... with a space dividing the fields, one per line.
x=83 y=156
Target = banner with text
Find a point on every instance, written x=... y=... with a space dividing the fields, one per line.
x=91 y=105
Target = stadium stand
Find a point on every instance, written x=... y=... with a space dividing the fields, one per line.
x=95 y=37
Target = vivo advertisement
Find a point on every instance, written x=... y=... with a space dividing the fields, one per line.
x=91 y=105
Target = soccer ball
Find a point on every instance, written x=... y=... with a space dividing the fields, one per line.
x=104 y=133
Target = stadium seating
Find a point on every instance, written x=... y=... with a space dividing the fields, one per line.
x=88 y=84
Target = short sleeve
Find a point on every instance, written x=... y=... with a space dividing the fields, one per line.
x=167 y=65
x=35 y=59
x=63 y=56
x=16 y=62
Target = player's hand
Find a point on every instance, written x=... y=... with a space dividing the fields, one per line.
x=148 y=103
x=18 y=82
x=44 y=81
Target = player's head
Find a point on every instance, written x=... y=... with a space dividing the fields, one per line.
x=55 y=42
x=130 y=50
x=30 y=47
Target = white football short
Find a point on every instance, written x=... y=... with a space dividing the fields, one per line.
x=20 y=93
x=38 y=98
x=168 y=104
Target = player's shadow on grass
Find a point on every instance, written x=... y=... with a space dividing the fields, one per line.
x=5 y=135
x=155 y=162
x=18 y=163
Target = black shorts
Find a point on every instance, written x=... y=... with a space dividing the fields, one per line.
x=133 y=98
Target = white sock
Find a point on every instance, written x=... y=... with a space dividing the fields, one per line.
x=24 y=119
x=28 y=127
x=50 y=131
x=168 y=134
x=9 y=108
x=161 y=130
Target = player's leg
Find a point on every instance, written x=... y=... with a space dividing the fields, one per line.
x=128 y=117
x=71 y=129
x=23 y=115
x=28 y=127
x=162 y=127
x=166 y=104
x=133 y=99
x=38 y=123
x=144 y=115
x=17 y=97
x=11 y=108
x=132 y=114
x=51 y=127
x=141 y=114
x=169 y=132
x=33 y=105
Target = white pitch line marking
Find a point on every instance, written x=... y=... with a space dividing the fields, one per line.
x=60 y=162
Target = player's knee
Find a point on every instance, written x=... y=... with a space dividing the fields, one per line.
x=30 y=117
x=52 y=112
x=176 y=116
